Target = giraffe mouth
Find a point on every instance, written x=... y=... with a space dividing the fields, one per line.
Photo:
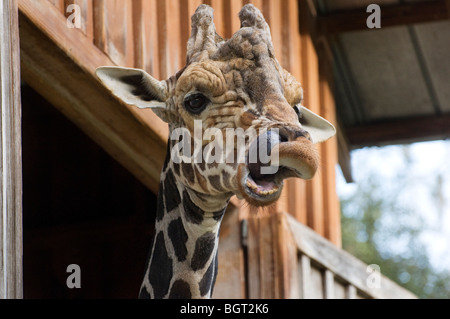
x=261 y=191
x=264 y=189
x=261 y=187
x=261 y=184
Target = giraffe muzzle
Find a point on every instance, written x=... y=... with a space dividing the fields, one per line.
x=273 y=156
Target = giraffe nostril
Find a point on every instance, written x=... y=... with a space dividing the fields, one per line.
x=284 y=137
x=291 y=134
x=301 y=133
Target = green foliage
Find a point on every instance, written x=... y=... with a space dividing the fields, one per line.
x=380 y=225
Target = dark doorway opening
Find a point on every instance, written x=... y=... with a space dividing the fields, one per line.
x=79 y=207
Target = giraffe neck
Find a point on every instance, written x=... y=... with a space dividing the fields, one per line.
x=183 y=259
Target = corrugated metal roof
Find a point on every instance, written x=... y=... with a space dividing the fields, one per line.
x=390 y=75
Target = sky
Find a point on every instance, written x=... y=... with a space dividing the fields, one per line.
x=426 y=193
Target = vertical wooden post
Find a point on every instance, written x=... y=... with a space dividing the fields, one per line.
x=331 y=215
x=310 y=78
x=272 y=258
x=329 y=285
x=304 y=275
x=11 y=154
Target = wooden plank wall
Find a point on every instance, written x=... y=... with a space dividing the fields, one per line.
x=152 y=34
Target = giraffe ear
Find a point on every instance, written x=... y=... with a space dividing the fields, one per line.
x=135 y=87
x=319 y=128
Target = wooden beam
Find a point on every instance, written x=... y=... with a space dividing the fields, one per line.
x=393 y=15
x=400 y=131
x=60 y=64
x=344 y=159
x=11 y=154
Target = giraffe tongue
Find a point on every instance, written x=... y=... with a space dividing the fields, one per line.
x=261 y=186
x=264 y=185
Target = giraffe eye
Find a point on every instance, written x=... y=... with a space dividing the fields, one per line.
x=196 y=103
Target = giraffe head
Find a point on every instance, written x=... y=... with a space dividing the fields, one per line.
x=230 y=100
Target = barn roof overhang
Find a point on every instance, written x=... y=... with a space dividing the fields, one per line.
x=391 y=85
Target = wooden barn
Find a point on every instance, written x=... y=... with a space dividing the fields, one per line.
x=80 y=170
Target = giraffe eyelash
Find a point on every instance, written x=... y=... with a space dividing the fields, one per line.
x=298 y=111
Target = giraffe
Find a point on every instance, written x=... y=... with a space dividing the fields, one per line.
x=226 y=84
